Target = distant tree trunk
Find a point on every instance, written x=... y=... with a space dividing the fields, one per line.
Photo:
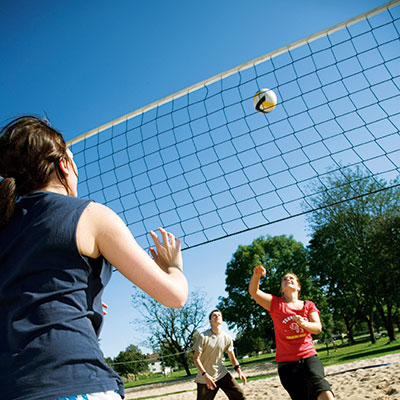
x=349 y=327
x=387 y=320
x=369 y=319
x=390 y=328
x=185 y=363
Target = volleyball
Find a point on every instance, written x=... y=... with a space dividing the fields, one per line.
x=264 y=100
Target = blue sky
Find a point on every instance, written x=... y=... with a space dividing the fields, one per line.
x=85 y=63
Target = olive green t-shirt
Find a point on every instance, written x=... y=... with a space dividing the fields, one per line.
x=212 y=348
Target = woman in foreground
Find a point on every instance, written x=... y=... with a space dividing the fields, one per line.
x=300 y=370
x=56 y=256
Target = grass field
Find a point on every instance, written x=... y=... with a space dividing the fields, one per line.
x=342 y=353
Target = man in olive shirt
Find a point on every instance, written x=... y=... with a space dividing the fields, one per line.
x=212 y=374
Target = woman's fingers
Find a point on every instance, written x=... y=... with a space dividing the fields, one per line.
x=167 y=252
x=164 y=235
x=155 y=238
x=167 y=237
x=153 y=253
x=178 y=244
x=171 y=238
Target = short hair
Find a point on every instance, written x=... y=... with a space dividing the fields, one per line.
x=212 y=312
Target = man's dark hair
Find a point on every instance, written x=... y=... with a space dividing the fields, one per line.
x=213 y=311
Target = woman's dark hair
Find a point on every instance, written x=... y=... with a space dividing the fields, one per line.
x=30 y=151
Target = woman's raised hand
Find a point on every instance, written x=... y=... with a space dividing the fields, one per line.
x=168 y=253
x=259 y=270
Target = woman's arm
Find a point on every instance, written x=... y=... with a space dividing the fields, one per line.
x=262 y=298
x=312 y=325
x=102 y=232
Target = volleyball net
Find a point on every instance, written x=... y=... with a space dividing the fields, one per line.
x=204 y=164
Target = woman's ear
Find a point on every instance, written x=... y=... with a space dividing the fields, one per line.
x=63 y=163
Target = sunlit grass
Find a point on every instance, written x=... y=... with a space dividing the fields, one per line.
x=361 y=350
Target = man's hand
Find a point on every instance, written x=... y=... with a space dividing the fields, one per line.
x=241 y=376
x=210 y=382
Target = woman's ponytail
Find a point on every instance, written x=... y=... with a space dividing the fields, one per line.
x=7 y=200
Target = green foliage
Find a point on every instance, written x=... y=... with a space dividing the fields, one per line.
x=246 y=344
x=350 y=269
x=170 y=358
x=353 y=248
x=385 y=266
x=108 y=361
x=130 y=361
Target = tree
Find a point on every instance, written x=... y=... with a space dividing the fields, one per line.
x=329 y=265
x=109 y=361
x=130 y=361
x=385 y=254
x=346 y=250
x=171 y=331
x=278 y=255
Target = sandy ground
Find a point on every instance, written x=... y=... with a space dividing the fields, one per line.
x=365 y=379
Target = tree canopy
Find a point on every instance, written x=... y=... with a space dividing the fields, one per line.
x=278 y=255
x=354 y=245
x=130 y=361
x=350 y=268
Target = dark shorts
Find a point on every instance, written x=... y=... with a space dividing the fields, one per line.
x=227 y=383
x=303 y=379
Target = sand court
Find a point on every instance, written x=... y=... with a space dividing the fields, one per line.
x=375 y=378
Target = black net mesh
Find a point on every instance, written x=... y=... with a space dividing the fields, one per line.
x=206 y=165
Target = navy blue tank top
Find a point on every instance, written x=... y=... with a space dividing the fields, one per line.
x=50 y=304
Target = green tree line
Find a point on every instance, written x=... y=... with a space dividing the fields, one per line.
x=350 y=269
